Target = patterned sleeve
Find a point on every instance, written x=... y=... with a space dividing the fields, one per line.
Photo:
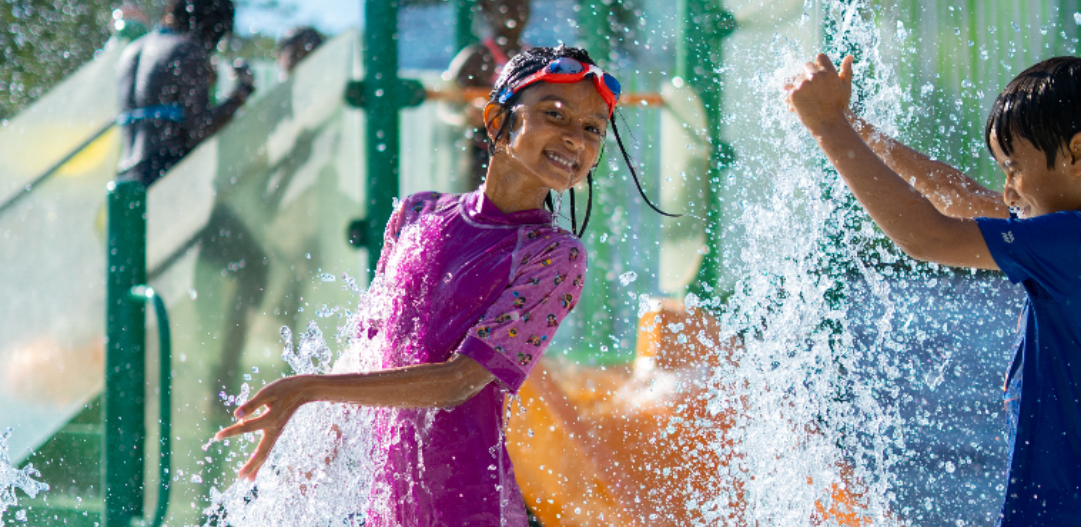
x=518 y=327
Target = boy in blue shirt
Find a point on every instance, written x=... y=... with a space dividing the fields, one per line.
x=936 y=213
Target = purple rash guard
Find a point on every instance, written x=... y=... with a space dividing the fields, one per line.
x=467 y=279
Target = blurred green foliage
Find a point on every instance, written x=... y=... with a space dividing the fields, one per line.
x=42 y=41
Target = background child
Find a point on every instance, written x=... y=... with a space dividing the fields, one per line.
x=1034 y=132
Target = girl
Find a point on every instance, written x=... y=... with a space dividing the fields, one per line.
x=478 y=286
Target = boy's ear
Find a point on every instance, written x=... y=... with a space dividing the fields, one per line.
x=493 y=118
x=1074 y=147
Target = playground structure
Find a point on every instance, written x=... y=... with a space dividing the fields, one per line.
x=287 y=175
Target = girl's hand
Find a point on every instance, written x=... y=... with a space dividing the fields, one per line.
x=820 y=95
x=281 y=399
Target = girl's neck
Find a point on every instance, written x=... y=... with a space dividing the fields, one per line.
x=511 y=192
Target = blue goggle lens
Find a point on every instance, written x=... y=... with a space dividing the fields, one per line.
x=612 y=84
x=565 y=66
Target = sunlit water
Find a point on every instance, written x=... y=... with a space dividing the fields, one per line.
x=321 y=469
x=828 y=326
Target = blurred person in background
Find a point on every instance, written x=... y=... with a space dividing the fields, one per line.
x=165 y=81
x=479 y=65
x=296 y=44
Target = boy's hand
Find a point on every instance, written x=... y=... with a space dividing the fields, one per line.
x=820 y=95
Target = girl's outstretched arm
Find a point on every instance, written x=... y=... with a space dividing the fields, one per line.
x=441 y=385
x=950 y=190
x=906 y=216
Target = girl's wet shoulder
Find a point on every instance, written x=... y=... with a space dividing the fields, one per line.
x=421 y=203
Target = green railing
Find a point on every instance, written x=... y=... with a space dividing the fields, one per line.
x=123 y=452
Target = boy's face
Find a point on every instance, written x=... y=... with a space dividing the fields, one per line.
x=1034 y=189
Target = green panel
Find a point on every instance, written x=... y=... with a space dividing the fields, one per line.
x=52 y=256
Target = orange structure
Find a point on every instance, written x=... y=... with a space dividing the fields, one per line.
x=634 y=444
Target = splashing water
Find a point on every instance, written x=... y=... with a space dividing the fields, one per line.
x=810 y=433
x=321 y=468
x=12 y=478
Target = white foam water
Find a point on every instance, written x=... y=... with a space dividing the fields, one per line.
x=12 y=478
x=809 y=417
x=321 y=469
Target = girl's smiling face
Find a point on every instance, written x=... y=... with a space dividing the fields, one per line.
x=555 y=137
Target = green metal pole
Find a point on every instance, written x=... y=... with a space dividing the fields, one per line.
x=464 y=33
x=382 y=94
x=596 y=309
x=383 y=122
x=125 y=429
x=699 y=59
x=595 y=29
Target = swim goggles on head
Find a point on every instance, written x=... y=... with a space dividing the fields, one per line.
x=566 y=70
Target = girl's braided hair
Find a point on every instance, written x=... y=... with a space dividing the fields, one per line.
x=526 y=63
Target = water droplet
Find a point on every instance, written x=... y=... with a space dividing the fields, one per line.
x=327 y=277
x=626 y=278
x=245 y=392
x=195 y=478
x=1077 y=18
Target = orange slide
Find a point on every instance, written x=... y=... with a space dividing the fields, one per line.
x=631 y=445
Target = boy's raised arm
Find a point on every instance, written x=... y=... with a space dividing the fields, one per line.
x=820 y=98
x=951 y=191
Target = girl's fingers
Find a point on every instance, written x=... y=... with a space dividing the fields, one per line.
x=251 y=425
x=251 y=468
x=252 y=405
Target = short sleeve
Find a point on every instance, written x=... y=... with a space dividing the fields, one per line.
x=516 y=330
x=1046 y=249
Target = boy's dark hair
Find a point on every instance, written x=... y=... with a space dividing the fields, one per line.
x=1041 y=105
x=206 y=20
x=526 y=63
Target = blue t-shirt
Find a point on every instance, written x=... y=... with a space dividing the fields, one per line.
x=1044 y=255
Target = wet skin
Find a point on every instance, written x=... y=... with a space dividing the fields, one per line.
x=820 y=99
x=557 y=133
x=553 y=143
x=1035 y=189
